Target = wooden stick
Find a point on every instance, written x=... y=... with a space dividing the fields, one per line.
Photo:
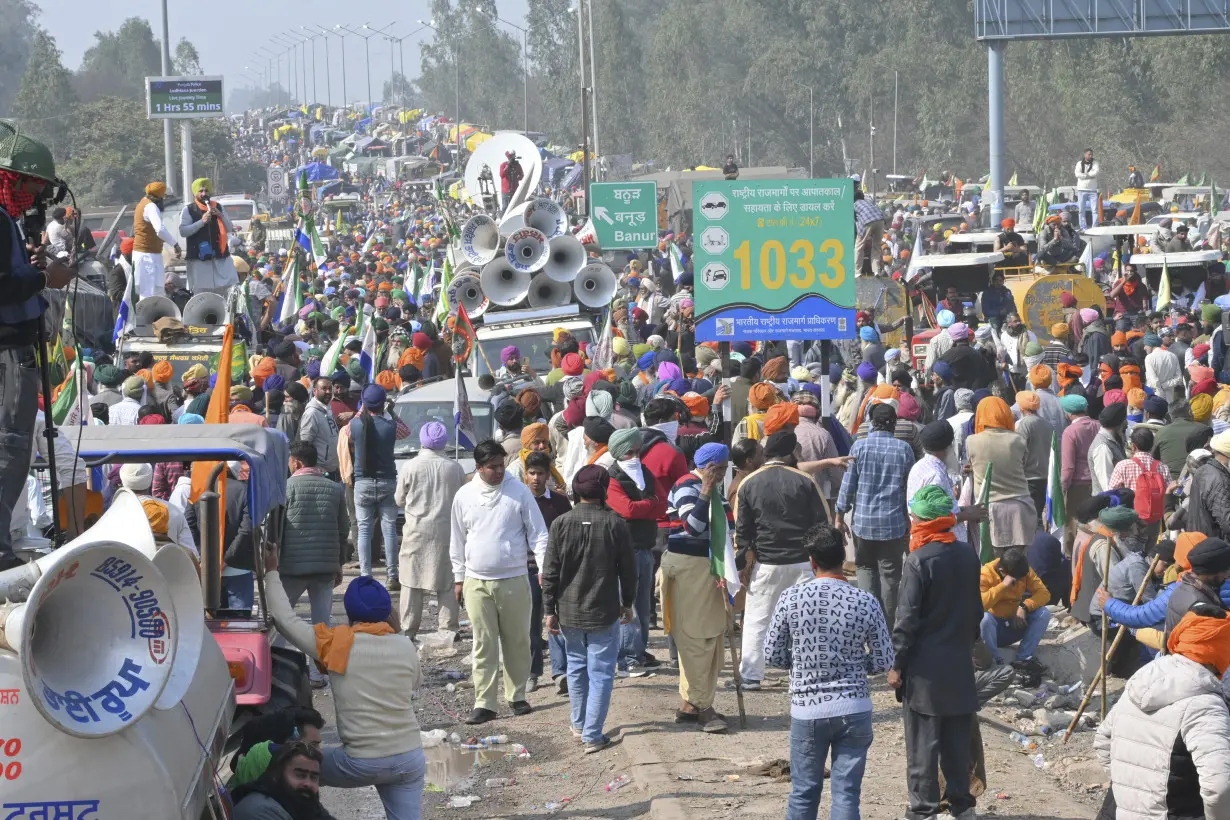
x=1110 y=547
x=1101 y=676
x=734 y=659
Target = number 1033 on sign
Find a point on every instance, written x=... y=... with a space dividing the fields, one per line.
x=803 y=265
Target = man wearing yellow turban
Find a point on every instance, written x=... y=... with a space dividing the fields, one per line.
x=205 y=228
x=149 y=236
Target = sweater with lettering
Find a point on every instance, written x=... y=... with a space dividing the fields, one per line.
x=830 y=635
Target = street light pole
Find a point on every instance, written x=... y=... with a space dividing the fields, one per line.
x=324 y=35
x=168 y=135
x=311 y=35
x=456 y=86
x=368 y=53
x=525 y=65
x=593 y=72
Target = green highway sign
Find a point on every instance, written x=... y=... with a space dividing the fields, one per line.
x=183 y=98
x=625 y=214
x=774 y=259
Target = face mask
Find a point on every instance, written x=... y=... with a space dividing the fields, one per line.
x=670 y=429
x=632 y=467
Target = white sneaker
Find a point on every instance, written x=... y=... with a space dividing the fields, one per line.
x=621 y=673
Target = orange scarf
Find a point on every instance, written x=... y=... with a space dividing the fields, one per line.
x=755 y=429
x=1130 y=374
x=1079 y=570
x=599 y=453
x=333 y=643
x=937 y=529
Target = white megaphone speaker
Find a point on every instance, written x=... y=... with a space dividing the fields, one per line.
x=595 y=285
x=467 y=290
x=513 y=221
x=152 y=308
x=546 y=292
x=179 y=567
x=503 y=284
x=527 y=250
x=204 y=309
x=99 y=633
x=480 y=240
x=546 y=215
x=587 y=235
x=565 y=258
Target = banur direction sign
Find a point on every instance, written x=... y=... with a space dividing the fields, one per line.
x=775 y=259
x=625 y=214
x=183 y=98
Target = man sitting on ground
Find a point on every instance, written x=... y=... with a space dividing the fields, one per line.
x=1015 y=601
x=289 y=789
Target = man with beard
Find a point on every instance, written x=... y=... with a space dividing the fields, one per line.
x=149 y=235
x=289 y=789
x=969 y=368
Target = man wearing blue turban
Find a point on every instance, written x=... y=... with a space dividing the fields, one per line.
x=693 y=606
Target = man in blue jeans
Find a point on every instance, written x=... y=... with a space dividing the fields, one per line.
x=372 y=436
x=588 y=586
x=1014 y=599
x=552 y=506
x=831 y=635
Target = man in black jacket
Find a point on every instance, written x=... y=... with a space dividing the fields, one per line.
x=777 y=505
x=1209 y=509
x=938 y=614
x=1210 y=560
x=238 y=557
x=288 y=790
x=26 y=170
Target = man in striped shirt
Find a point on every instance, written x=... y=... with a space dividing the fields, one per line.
x=692 y=603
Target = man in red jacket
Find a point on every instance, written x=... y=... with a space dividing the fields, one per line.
x=663 y=459
x=635 y=494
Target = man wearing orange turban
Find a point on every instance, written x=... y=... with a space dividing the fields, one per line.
x=263 y=369
x=1012 y=513
x=760 y=398
x=1167 y=739
x=781 y=416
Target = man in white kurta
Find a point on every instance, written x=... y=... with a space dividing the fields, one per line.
x=148 y=268
x=426 y=485
x=496 y=527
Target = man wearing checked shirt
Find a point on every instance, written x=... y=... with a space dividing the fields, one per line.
x=874 y=487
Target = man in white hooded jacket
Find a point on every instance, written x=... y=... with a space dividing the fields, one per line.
x=1167 y=741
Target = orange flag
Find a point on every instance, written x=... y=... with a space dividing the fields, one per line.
x=219 y=412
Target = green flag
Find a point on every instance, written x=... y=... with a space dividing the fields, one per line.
x=722 y=546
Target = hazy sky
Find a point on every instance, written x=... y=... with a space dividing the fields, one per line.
x=228 y=33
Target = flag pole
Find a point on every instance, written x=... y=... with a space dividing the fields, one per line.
x=734 y=657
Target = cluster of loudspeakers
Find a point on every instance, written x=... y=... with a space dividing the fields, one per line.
x=110 y=610
x=529 y=257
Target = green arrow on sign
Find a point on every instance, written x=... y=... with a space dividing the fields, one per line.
x=625 y=214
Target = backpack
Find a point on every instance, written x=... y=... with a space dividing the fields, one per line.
x=1150 y=494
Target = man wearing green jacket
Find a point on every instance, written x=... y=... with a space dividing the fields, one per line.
x=313 y=538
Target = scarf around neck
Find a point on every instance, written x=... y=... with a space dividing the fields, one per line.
x=488 y=496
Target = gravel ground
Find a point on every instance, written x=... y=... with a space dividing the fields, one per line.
x=678 y=772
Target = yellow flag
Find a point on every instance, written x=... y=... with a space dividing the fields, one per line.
x=1013 y=180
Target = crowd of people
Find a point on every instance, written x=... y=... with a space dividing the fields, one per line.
x=589 y=520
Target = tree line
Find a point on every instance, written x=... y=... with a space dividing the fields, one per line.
x=686 y=82
x=94 y=119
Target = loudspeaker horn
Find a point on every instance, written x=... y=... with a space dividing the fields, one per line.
x=152 y=308
x=204 y=309
x=565 y=258
x=179 y=567
x=595 y=285
x=547 y=292
x=503 y=284
x=98 y=636
x=494 y=153
x=467 y=290
x=527 y=250
x=587 y=235
x=546 y=215
x=480 y=240
x=513 y=221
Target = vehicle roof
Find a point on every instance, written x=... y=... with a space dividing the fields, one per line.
x=982 y=236
x=444 y=390
x=1121 y=230
x=264 y=451
x=513 y=330
x=959 y=260
x=1156 y=260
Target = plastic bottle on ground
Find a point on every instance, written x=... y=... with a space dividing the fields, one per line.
x=618 y=783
